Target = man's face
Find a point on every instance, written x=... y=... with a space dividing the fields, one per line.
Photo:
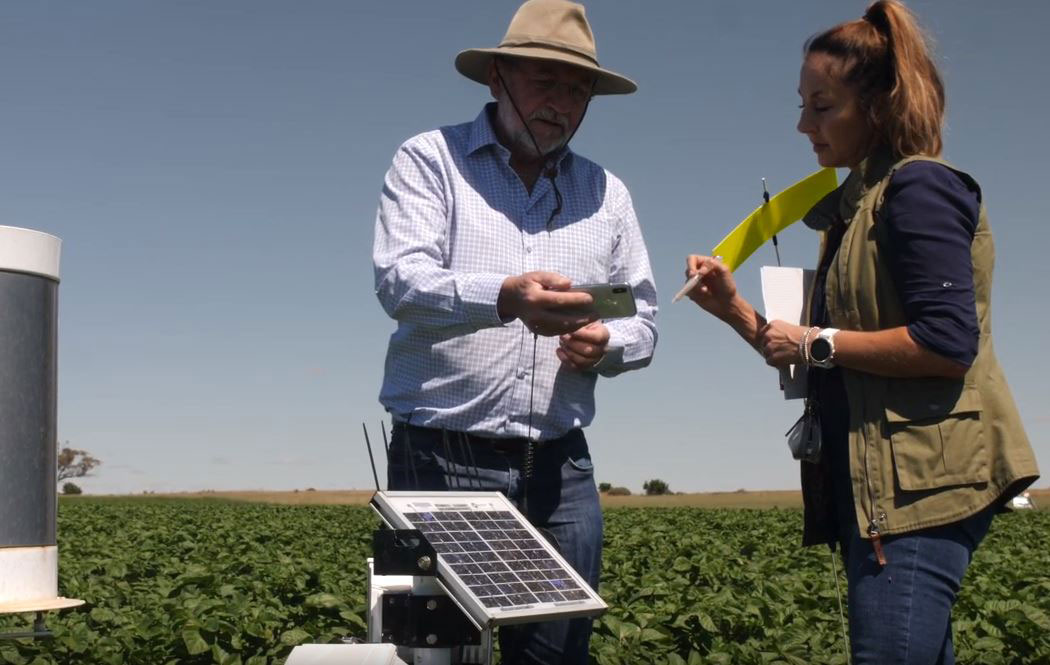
x=551 y=96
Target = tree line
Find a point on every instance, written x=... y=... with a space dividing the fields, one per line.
x=74 y=463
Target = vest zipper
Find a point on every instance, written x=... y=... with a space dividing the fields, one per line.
x=876 y=543
x=873 y=527
x=874 y=533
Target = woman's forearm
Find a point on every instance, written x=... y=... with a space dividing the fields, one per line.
x=893 y=353
x=744 y=319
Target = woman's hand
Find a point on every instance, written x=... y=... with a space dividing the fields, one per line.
x=716 y=289
x=715 y=292
x=778 y=342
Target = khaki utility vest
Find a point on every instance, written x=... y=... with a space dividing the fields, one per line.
x=923 y=452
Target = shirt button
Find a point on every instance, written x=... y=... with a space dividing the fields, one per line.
x=521 y=374
x=528 y=249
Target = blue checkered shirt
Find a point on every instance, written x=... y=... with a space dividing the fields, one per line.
x=454 y=221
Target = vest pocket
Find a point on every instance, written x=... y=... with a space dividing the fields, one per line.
x=936 y=436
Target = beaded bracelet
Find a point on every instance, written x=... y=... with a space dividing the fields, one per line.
x=803 y=346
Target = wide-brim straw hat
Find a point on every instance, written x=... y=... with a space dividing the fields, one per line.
x=547 y=30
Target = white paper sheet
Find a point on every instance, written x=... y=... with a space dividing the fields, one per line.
x=784 y=294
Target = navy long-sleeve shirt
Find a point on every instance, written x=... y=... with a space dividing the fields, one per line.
x=930 y=216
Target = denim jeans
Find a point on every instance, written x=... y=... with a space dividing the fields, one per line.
x=560 y=499
x=901 y=613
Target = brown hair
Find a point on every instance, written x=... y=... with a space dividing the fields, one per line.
x=886 y=59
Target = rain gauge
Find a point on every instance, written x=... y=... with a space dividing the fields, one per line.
x=28 y=441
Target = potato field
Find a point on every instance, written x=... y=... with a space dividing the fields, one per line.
x=204 y=581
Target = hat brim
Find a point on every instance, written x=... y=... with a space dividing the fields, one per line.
x=474 y=64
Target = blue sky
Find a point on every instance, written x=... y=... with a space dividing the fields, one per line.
x=213 y=169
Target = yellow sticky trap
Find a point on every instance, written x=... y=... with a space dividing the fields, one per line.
x=782 y=211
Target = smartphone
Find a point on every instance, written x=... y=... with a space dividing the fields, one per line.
x=611 y=301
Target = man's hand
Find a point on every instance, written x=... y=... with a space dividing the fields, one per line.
x=541 y=301
x=583 y=348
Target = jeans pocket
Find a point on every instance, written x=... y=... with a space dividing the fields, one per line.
x=582 y=464
x=415 y=467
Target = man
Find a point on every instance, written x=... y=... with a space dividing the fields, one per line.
x=482 y=228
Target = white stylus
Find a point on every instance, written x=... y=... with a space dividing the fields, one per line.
x=689 y=285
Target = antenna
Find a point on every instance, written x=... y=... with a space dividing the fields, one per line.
x=473 y=461
x=765 y=199
x=372 y=460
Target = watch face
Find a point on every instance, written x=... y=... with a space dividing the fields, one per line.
x=819 y=350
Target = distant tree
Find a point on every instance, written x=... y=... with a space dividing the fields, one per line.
x=73 y=463
x=619 y=491
x=72 y=488
x=604 y=487
x=656 y=486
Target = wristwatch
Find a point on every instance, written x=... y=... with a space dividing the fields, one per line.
x=822 y=349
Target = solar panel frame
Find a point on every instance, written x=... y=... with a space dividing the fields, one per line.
x=466 y=558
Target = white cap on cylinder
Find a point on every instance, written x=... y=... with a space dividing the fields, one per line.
x=29 y=251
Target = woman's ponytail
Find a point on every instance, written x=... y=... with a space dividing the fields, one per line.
x=887 y=61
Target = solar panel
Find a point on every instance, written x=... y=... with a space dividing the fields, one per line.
x=492 y=561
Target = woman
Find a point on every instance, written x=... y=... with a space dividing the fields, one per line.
x=921 y=441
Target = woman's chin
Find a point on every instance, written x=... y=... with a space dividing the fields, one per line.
x=828 y=162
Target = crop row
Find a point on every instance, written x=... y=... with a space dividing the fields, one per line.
x=188 y=582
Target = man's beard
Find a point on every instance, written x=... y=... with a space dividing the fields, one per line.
x=520 y=137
